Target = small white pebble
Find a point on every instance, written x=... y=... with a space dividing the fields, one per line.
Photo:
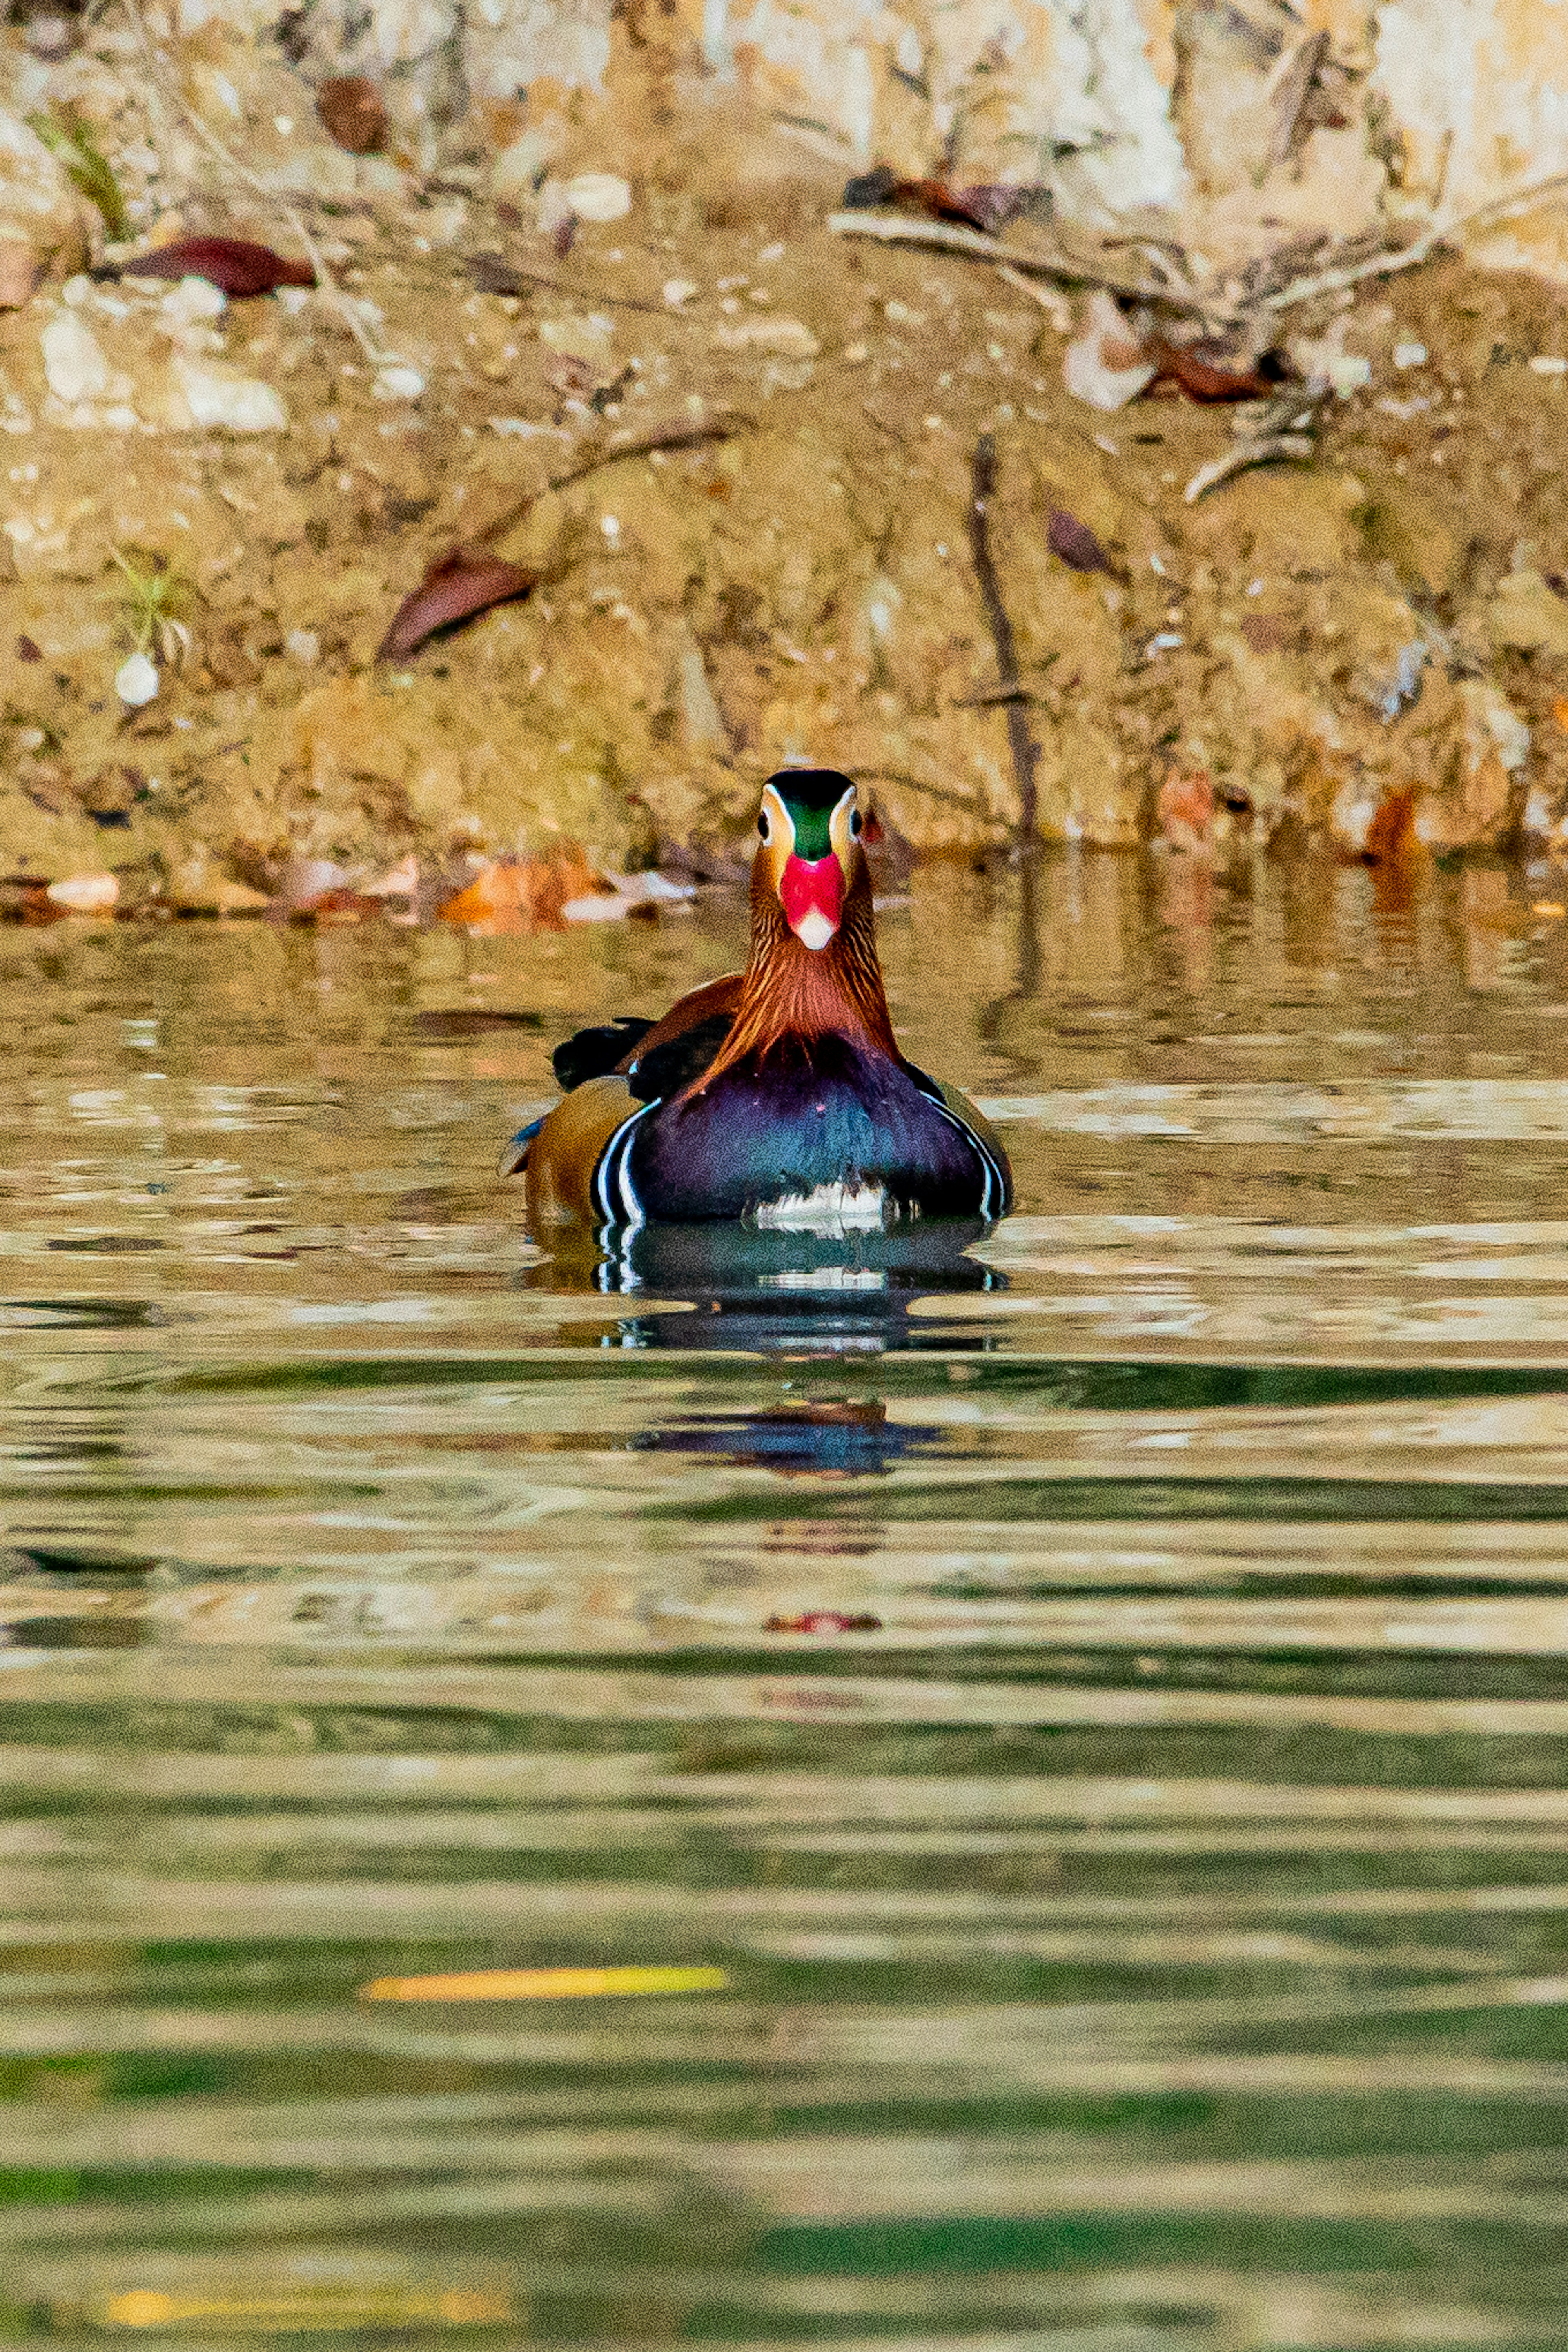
x=856 y=354
x=399 y=381
x=899 y=314
x=1409 y=355
x=303 y=645
x=78 y=290
x=1156 y=565
x=136 y=680
x=1255 y=587
x=772 y=253
x=678 y=290
x=1544 y=363
x=1165 y=643
x=293 y=298
x=283 y=124
x=611 y=527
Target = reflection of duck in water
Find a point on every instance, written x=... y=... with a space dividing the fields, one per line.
x=777 y=1094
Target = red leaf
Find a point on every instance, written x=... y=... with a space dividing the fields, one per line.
x=231 y=263
x=1209 y=378
x=458 y=586
x=350 y=107
x=1075 y=542
x=823 y=1621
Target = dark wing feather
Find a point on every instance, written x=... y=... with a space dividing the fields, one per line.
x=661 y=1071
x=594 y=1052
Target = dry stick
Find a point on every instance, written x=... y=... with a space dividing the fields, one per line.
x=1410 y=256
x=1261 y=451
x=346 y=310
x=1024 y=749
x=675 y=436
x=899 y=228
x=489 y=269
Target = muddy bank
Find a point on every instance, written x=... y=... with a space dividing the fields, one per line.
x=1367 y=648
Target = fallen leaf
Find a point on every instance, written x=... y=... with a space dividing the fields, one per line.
x=1075 y=542
x=458 y=586
x=1392 y=833
x=26 y=651
x=1186 y=808
x=823 y=1621
x=987 y=206
x=547 y=1984
x=231 y=263
x=1559 y=708
x=351 y=109
x=1204 y=376
x=522 y=894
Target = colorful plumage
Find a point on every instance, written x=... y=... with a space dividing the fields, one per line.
x=777 y=1094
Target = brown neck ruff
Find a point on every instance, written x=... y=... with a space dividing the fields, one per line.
x=792 y=990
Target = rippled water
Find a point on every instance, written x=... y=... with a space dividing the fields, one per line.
x=1093 y=1701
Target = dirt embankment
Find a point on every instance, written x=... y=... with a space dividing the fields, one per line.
x=1369 y=647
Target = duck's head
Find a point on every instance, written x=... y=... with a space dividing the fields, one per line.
x=811 y=853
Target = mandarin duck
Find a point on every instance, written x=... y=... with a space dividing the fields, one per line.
x=776 y=1096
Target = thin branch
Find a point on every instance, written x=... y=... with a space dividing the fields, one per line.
x=492 y=273
x=1024 y=749
x=346 y=308
x=1411 y=257
x=1261 y=451
x=945 y=236
x=724 y=426
x=1056 y=306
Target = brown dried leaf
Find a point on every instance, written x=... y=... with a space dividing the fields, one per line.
x=231 y=263
x=351 y=109
x=1206 y=374
x=1075 y=542
x=458 y=586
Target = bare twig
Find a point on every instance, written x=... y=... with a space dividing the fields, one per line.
x=1056 y=306
x=946 y=236
x=722 y=426
x=492 y=273
x=1024 y=749
x=161 y=81
x=993 y=698
x=1262 y=450
x=1393 y=259
x=1292 y=82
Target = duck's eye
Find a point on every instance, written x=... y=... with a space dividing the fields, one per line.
x=763 y=826
x=855 y=823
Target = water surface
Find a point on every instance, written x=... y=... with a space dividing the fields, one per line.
x=1097 y=1691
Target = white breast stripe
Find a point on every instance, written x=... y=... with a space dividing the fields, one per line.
x=613 y=1194
x=995 y=1190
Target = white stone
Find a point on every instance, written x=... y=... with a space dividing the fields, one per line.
x=517 y=167
x=782 y=337
x=194 y=301
x=1545 y=364
x=598 y=196
x=136 y=680
x=302 y=645
x=85 y=894
x=678 y=290
x=43 y=223
x=1104 y=365
x=399 y=382
x=219 y=399
x=74 y=363
x=1409 y=355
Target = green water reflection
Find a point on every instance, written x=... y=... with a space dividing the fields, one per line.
x=1097 y=1690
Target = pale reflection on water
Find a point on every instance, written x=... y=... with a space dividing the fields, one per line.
x=1096 y=1691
